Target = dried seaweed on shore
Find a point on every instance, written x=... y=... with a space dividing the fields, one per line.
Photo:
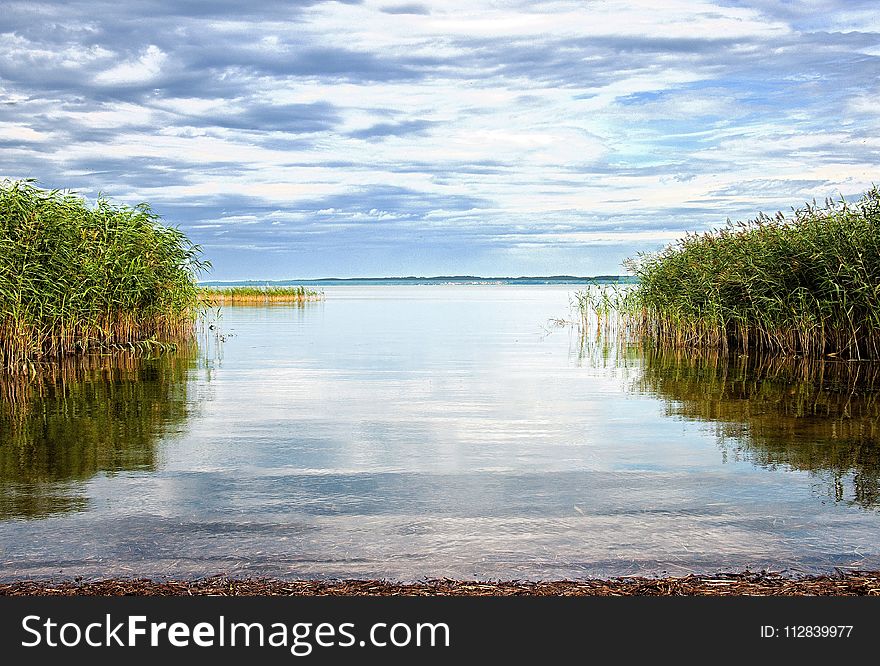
x=740 y=584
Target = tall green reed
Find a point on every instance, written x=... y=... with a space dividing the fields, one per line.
x=74 y=277
x=806 y=283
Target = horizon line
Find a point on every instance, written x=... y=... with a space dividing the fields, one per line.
x=430 y=277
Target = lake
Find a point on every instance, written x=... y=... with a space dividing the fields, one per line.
x=405 y=432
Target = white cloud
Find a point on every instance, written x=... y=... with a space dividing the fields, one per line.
x=17 y=132
x=142 y=70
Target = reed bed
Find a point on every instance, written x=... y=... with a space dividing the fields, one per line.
x=806 y=283
x=74 y=278
x=218 y=296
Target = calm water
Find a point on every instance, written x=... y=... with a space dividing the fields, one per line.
x=407 y=432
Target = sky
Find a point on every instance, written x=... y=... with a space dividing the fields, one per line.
x=308 y=139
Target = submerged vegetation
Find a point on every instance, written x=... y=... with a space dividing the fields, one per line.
x=75 y=278
x=807 y=283
x=258 y=295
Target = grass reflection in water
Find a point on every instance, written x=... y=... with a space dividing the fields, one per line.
x=819 y=416
x=73 y=420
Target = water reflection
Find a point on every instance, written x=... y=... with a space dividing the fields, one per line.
x=75 y=419
x=816 y=416
x=407 y=432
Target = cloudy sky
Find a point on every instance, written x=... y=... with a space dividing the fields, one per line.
x=307 y=139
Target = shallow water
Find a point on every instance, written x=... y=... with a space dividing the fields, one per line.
x=408 y=431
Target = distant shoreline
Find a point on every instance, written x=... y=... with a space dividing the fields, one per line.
x=432 y=280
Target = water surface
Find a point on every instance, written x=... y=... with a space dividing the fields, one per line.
x=424 y=431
